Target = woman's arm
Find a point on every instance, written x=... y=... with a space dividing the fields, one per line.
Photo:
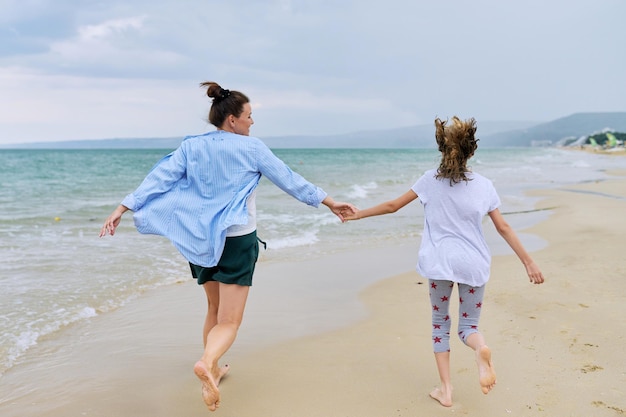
x=111 y=223
x=387 y=207
x=279 y=173
x=509 y=235
x=161 y=178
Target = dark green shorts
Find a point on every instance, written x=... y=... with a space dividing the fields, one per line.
x=236 y=265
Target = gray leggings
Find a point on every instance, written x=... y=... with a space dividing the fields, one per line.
x=470 y=304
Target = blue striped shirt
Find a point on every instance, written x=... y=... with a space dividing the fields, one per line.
x=196 y=192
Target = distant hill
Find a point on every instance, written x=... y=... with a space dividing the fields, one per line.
x=576 y=125
x=491 y=134
x=126 y=143
x=421 y=136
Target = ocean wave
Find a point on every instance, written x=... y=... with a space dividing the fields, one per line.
x=307 y=238
x=361 y=191
x=20 y=342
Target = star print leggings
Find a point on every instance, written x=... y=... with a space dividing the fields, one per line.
x=470 y=303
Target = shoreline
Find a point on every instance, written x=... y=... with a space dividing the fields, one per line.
x=617 y=151
x=367 y=355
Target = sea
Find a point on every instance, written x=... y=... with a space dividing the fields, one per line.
x=55 y=271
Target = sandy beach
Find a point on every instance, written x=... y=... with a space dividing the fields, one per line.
x=558 y=347
x=317 y=349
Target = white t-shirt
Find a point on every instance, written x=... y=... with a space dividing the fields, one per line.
x=245 y=229
x=453 y=246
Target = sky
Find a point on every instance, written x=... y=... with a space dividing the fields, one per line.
x=87 y=69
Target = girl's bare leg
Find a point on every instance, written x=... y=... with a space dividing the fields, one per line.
x=439 y=293
x=443 y=393
x=486 y=372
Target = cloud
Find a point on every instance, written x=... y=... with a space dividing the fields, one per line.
x=111 y=48
x=70 y=107
x=309 y=66
x=109 y=29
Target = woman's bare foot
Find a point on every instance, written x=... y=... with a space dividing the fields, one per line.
x=486 y=373
x=221 y=373
x=210 y=393
x=443 y=395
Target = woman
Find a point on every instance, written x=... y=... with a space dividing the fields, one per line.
x=202 y=197
x=453 y=248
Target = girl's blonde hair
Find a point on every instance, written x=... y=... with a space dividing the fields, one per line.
x=457 y=144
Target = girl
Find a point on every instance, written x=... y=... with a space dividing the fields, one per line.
x=453 y=248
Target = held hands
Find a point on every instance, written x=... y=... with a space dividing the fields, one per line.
x=351 y=214
x=340 y=209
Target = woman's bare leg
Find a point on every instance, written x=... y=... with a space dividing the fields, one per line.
x=212 y=291
x=213 y=301
x=231 y=304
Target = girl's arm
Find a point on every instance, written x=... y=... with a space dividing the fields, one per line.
x=387 y=207
x=509 y=235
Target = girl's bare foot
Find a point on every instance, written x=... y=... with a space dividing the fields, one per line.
x=486 y=373
x=210 y=393
x=443 y=395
